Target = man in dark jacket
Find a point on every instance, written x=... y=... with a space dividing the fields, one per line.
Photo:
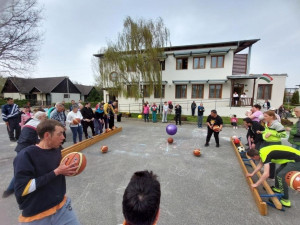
x=88 y=119
x=255 y=138
x=178 y=114
x=193 y=107
x=28 y=137
x=40 y=184
x=12 y=117
x=213 y=120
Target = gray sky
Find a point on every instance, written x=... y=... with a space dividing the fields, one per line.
x=76 y=29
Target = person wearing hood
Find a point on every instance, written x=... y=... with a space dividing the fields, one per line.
x=99 y=119
x=27 y=137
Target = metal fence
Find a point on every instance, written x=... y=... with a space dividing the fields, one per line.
x=185 y=105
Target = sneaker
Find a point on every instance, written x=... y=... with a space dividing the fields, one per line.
x=275 y=189
x=217 y=145
x=285 y=202
x=7 y=193
x=206 y=145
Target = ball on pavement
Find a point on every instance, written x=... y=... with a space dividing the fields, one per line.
x=170 y=140
x=140 y=116
x=197 y=152
x=104 y=149
x=171 y=129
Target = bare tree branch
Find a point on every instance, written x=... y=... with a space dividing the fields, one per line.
x=20 y=37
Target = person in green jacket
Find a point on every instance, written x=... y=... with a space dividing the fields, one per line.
x=294 y=137
x=289 y=160
x=272 y=134
x=154 y=111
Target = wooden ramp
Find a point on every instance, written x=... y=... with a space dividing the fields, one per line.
x=88 y=142
x=262 y=206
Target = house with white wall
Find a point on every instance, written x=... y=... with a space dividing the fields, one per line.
x=41 y=91
x=209 y=74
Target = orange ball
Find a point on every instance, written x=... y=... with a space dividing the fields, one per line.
x=216 y=128
x=75 y=157
x=170 y=140
x=292 y=179
x=197 y=152
x=104 y=149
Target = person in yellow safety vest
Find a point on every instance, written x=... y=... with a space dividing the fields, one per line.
x=289 y=160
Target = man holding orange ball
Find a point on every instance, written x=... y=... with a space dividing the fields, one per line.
x=214 y=126
x=40 y=185
x=289 y=160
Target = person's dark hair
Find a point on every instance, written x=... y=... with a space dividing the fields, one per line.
x=214 y=111
x=248 y=120
x=252 y=152
x=47 y=126
x=234 y=115
x=257 y=106
x=8 y=98
x=141 y=199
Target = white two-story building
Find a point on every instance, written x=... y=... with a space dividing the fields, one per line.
x=209 y=74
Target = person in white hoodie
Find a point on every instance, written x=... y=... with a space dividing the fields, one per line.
x=74 y=118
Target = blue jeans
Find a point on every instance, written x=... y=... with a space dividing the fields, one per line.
x=296 y=146
x=98 y=126
x=200 y=120
x=64 y=216
x=76 y=130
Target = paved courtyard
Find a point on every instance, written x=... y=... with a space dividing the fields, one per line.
x=208 y=190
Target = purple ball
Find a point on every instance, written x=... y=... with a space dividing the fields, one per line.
x=171 y=129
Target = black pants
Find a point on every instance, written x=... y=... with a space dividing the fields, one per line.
x=85 y=126
x=193 y=112
x=111 y=122
x=178 y=119
x=13 y=128
x=209 y=133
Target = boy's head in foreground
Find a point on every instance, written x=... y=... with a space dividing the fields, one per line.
x=141 y=199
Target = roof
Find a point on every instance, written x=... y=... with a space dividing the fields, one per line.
x=254 y=76
x=240 y=45
x=84 y=89
x=44 y=85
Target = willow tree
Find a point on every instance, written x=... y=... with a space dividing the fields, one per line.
x=133 y=61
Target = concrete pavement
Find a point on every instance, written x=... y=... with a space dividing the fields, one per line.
x=208 y=190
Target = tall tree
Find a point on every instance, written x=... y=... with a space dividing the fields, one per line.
x=20 y=36
x=132 y=62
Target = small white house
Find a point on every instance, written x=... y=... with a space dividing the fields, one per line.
x=209 y=74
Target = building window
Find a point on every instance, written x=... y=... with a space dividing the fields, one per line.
x=157 y=91
x=215 y=91
x=66 y=95
x=180 y=91
x=130 y=92
x=217 y=61
x=146 y=90
x=182 y=64
x=197 y=90
x=163 y=65
x=264 y=91
x=199 y=62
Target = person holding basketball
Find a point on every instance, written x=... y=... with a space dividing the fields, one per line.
x=40 y=185
x=214 y=126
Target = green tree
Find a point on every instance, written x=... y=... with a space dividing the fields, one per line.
x=94 y=96
x=295 y=98
x=132 y=62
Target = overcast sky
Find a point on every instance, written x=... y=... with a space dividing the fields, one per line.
x=76 y=29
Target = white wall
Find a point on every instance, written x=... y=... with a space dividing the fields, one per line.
x=59 y=97
x=14 y=95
